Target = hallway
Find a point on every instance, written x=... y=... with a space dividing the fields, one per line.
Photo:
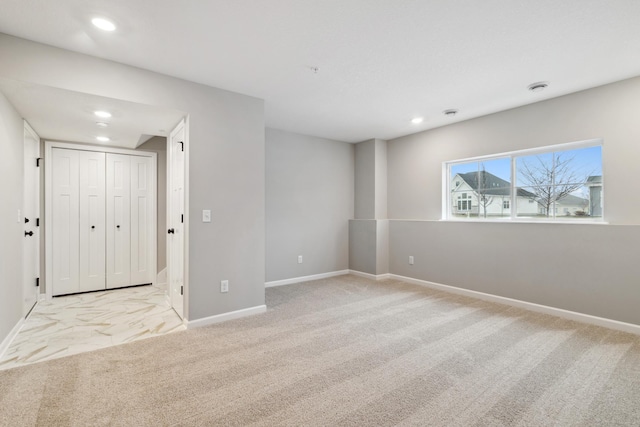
x=85 y=322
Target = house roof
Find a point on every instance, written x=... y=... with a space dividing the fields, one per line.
x=595 y=179
x=491 y=184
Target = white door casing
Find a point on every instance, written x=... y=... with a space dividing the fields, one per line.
x=31 y=214
x=118 y=221
x=92 y=220
x=175 y=218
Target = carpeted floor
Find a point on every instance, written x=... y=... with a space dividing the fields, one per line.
x=345 y=351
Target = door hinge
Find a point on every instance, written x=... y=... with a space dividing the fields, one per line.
x=182 y=218
x=181 y=145
x=181 y=290
x=38 y=162
x=37 y=282
x=37 y=222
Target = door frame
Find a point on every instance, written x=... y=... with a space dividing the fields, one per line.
x=28 y=129
x=48 y=202
x=184 y=123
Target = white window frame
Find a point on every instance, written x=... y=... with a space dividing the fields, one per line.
x=447 y=214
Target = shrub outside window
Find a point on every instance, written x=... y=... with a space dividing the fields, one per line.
x=562 y=182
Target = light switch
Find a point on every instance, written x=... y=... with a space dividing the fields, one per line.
x=206 y=215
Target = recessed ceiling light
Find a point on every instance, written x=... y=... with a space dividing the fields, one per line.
x=450 y=113
x=102 y=114
x=538 y=87
x=417 y=120
x=102 y=139
x=103 y=24
x=102 y=124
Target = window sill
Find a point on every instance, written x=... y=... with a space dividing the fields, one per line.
x=527 y=221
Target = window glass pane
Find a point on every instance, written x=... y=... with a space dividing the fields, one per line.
x=560 y=181
x=484 y=186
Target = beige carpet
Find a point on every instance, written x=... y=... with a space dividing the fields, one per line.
x=345 y=351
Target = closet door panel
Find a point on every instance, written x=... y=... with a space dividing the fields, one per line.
x=142 y=188
x=118 y=220
x=65 y=221
x=92 y=221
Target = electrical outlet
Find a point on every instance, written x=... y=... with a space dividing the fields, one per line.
x=299 y=259
x=224 y=286
x=410 y=259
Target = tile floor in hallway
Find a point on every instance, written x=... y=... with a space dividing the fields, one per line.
x=84 y=322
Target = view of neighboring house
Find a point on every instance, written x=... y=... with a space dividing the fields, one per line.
x=483 y=194
x=595 y=195
x=570 y=205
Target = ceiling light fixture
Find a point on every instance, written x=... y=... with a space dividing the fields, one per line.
x=538 y=87
x=450 y=113
x=102 y=114
x=417 y=120
x=102 y=139
x=102 y=124
x=103 y=24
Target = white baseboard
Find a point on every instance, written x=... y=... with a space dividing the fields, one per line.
x=6 y=342
x=226 y=316
x=545 y=309
x=305 y=278
x=370 y=276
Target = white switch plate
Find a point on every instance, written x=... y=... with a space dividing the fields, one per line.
x=299 y=259
x=206 y=215
x=224 y=286
x=411 y=260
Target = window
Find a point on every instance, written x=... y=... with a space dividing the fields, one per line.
x=562 y=182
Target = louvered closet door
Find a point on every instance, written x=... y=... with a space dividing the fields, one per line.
x=118 y=221
x=92 y=221
x=142 y=192
x=65 y=221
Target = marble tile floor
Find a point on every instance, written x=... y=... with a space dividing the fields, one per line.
x=84 y=322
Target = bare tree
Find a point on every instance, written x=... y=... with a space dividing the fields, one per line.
x=484 y=199
x=551 y=180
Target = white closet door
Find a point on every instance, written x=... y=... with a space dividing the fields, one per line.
x=92 y=221
x=142 y=197
x=65 y=221
x=118 y=222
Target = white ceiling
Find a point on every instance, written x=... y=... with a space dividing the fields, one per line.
x=380 y=62
x=62 y=115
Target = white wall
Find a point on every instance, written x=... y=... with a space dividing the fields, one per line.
x=586 y=268
x=225 y=155
x=11 y=165
x=309 y=201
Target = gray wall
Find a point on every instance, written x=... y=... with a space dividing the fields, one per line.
x=369 y=231
x=11 y=165
x=365 y=180
x=586 y=268
x=226 y=164
x=158 y=144
x=309 y=201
